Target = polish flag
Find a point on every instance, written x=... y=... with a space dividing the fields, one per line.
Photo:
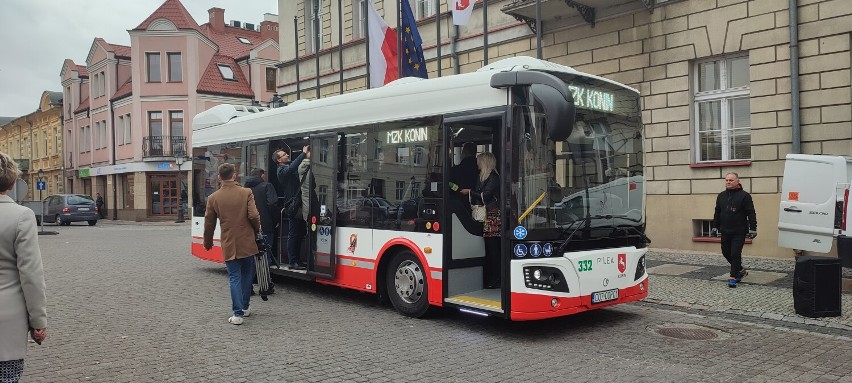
x=383 y=56
x=462 y=10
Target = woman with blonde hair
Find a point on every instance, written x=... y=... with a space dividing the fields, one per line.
x=487 y=192
x=22 y=297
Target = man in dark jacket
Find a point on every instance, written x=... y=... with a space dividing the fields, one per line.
x=735 y=218
x=288 y=176
x=265 y=198
x=463 y=176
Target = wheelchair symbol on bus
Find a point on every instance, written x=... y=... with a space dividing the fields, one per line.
x=520 y=250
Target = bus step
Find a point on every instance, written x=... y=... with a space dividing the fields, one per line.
x=482 y=299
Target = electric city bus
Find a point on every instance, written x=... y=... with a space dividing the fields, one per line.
x=569 y=154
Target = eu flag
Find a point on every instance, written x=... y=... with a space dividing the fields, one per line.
x=413 y=64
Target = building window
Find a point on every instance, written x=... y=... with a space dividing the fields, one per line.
x=243 y=40
x=175 y=67
x=270 y=79
x=722 y=112
x=226 y=72
x=68 y=102
x=313 y=28
x=102 y=84
x=155 y=124
x=153 y=61
x=96 y=137
x=424 y=8
x=120 y=130
x=176 y=123
x=419 y=154
x=400 y=190
x=103 y=133
x=128 y=138
x=358 y=13
x=322 y=194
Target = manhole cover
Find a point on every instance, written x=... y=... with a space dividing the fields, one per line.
x=688 y=333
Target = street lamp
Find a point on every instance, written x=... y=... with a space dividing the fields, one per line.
x=179 y=159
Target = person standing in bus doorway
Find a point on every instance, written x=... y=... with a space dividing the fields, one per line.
x=265 y=199
x=736 y=219
x=464 y=175
x=99 y=203
x=233 y=206
x=310 y=200
x=22 y=287
x=487 y=192
x=288 y=177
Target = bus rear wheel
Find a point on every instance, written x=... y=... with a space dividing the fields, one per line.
x=406 y=285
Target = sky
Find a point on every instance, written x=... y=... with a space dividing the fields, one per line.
x=36 y=36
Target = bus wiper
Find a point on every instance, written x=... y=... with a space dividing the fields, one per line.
x=633 y=228
x=611 y=216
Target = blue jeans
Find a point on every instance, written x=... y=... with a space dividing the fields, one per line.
x=296 y=233
x=240 y=274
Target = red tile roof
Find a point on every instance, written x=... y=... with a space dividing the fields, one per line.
x=213 y=83
x=173 y=11
x=124 y=90
x=84 y=105
x=119 y=50
x=81 y=70
x=228 y=42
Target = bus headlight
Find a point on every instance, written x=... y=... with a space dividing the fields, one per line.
x=640 y=268
x=544 y=278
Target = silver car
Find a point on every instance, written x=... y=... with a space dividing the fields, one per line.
x=62 y=209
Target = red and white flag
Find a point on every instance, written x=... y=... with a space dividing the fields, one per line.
x=383 y=56
x=461 y=11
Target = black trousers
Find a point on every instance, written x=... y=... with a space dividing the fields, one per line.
x=732 y=249
x=492 y=262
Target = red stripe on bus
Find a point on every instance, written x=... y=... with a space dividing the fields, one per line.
x=215 y=253
x=527 y=306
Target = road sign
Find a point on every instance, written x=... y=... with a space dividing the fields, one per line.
x=41 y=185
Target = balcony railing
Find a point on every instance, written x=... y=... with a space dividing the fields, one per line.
x=163 y=146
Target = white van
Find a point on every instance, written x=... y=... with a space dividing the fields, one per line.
x=815 y=204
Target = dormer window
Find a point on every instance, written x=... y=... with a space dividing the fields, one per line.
x=227 y=72
x=244 y=40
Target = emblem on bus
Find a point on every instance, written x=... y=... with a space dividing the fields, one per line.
x=353 y=243
x=622 y=263
x=520 y=250
x=535 y=250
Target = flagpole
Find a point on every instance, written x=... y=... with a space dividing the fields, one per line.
x=318 y=38
x=438 y=33
x=367 y=39
x=399 y=39
x=340 y=41
x=296 y=37
x=484 y=32
x=538 y=29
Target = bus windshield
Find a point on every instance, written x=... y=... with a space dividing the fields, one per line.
x=588 y=188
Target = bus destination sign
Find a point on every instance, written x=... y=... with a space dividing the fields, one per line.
x=586 y=98
x=404 y=136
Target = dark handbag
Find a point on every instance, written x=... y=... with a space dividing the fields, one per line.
x=292 y=205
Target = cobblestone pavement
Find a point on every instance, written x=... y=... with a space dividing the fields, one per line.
x=127 y=303
x=698 y=281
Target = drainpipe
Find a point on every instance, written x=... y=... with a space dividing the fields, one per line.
x=794 y=76
x=112 y=152
x=453 y=52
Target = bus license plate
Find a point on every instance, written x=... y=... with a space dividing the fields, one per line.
x=82 y=209
x=605 y=296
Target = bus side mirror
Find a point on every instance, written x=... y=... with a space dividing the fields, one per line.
x=559 y=110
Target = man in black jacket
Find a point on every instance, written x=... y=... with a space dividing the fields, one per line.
x=265 y=198
x=735 y=218
x=288 y=176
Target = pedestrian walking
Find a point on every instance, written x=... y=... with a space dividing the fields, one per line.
x=99 y=202
x=233 y=206
x=288 y=176
x=22 y=287
x=736 y=220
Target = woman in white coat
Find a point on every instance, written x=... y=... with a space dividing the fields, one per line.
x=22 y=297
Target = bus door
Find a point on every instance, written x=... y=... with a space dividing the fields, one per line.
x=322 y=261
x=466 y=281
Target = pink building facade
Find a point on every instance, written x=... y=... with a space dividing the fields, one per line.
x=127 y=114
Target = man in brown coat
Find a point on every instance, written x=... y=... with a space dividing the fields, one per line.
x=239 y=220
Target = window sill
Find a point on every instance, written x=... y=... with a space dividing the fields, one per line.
x=720 y=164
x=714 y=240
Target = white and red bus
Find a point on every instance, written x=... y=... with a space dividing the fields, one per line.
x=569 y=152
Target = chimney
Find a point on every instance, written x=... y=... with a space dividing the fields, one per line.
x=217 y=19
x=268 y=30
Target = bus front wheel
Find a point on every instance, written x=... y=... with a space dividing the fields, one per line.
x=406 y=285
